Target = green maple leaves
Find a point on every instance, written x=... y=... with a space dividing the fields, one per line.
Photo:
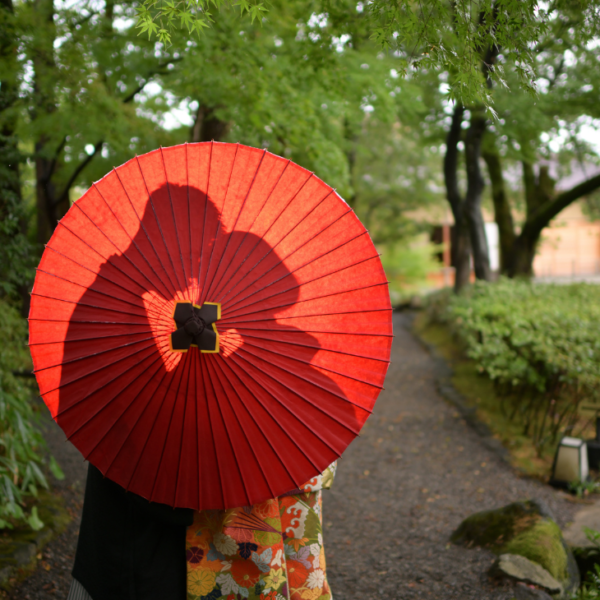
x=158 y=18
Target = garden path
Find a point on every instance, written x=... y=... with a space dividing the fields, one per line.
x=416 y=471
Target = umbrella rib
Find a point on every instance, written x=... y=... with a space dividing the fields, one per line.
x=173 y=215
x=120 y=252
x=288 y=233
x=95 y=291
x=345 y=353
x=174 y=221
x=142 y=452
x=306 y=362
x=237 y=218
x=132 y=427
x=80 y=321
x=337 y=395
x=60 y=413
x=191 y=295
x=282 y=261
x=229 y=436
x=132 y=240
x=148 y=237
x=212 y=431
x=80 y=303
x=93 y=273
x=230 y=307
x=74 y=360
x=361 y=333
x=303 y=283
x=185 y=406
x=162 y=235
x=249 y=413
x=61 y=223
x=218 y=231
x=206 y=201
x=61 y=385
x=320 y=409
x=198 y=452
x=242 y=262
x=246 y=233
x=320 y=314
x=181 y=372
x=90 y=339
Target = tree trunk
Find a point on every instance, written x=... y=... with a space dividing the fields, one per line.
x=461 y=247
x=15 y=250
x=461 y=255
x=207 y=127
x=475 y=185
x=502 y=212
x=523 y=254
x=44 y=65
x=10 y=157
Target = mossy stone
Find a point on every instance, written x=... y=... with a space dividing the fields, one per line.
x=523 y=528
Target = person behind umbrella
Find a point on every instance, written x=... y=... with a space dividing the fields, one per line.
x=133 y=549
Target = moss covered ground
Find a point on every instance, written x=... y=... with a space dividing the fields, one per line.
x=20 y=547
x=480 y=392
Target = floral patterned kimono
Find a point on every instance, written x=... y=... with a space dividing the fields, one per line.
x=268 y=551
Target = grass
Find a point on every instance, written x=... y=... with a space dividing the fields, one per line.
x=480 y=392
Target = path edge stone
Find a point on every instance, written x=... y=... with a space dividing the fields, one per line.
x=443 y=374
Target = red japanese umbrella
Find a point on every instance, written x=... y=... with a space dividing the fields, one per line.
x=210 y=325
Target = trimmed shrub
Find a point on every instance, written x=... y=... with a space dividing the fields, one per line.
x=540 y=343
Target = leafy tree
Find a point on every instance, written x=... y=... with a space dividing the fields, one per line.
x=15 y=251
x=429 y=35
x=304 y=90
x=568 y=78
x=518 y=116
x=87 y=73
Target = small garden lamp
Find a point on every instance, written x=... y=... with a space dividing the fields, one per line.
x=570 y=462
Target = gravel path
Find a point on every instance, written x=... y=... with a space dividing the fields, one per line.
x=402 y=487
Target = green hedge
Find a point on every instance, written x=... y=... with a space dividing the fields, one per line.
x=21 y=444
x=540 y=343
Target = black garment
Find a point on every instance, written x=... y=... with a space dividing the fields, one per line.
x=129 y=548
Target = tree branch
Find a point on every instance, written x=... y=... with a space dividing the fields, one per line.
x=88 y=159
x=54 y=160
x=82 y=165
x=158 y=70
x=545 y=213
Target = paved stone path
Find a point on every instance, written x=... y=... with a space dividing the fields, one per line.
x=416 y=471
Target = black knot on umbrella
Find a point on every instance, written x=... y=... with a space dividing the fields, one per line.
x=196 y=327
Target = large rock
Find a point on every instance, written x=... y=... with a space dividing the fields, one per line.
x=520 y=568
x=526 y=529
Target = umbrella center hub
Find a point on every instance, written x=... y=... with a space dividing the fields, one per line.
x=194 y=325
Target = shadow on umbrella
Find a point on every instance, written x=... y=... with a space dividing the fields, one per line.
x=178 y=426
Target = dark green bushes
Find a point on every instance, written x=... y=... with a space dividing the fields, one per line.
x=540 y=344
x=20 y=442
